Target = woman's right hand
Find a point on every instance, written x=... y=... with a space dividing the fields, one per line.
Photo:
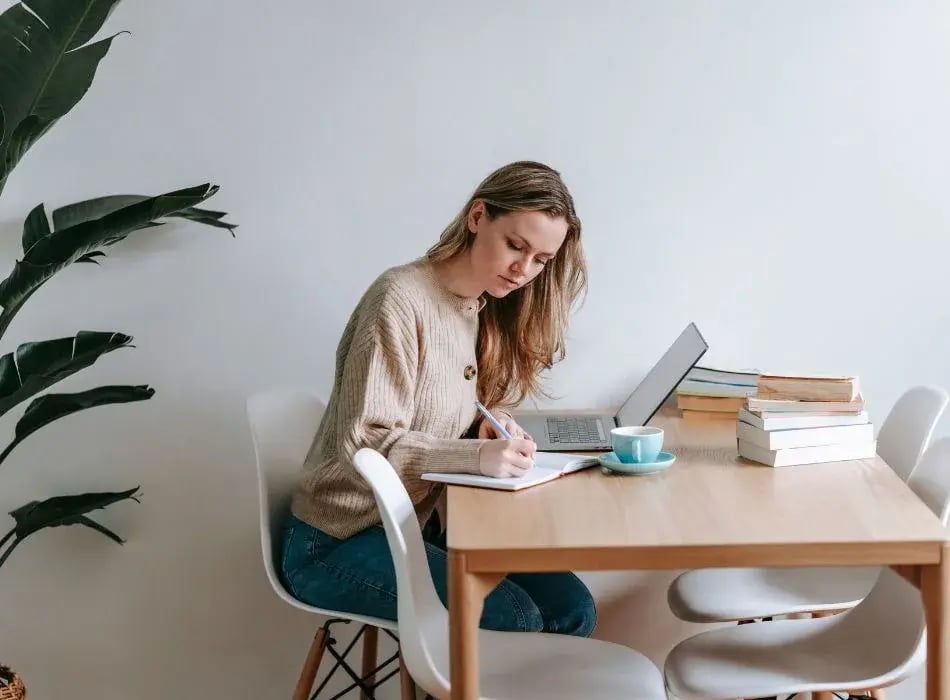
x=501 y=458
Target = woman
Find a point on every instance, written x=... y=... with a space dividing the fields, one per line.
x=479 y=317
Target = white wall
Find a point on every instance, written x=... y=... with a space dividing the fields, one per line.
x=775 y=171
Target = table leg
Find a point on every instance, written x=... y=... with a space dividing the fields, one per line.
x=467 y=593
x=823 y=695
x=935 y=589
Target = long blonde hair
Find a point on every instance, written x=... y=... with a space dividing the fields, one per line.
x=522 y=334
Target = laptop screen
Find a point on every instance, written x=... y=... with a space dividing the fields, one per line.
x=663 y=378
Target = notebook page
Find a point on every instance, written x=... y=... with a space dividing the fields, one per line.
x=563 y=462
x=547 y=466
x=535 y=475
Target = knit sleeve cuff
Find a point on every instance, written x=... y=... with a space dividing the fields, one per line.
x=418 y=456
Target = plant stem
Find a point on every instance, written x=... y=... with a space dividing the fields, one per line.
x=7 y=536
x=9 y=549
x=8 y=450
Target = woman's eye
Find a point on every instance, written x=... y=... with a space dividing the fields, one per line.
x=542 y=263
x=513 y=246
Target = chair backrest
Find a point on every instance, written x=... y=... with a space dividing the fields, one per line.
x=422 y=618
x=894 y=604
x=909 y=425
x=283 y=425
x=931 y=479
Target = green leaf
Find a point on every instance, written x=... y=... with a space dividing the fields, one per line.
x=64 y=510
x=26 y=133
x=91 y=257
x=46 y=66
x=33 y=367
x=35 y=227
x=65 y=244
x=46 y=409
x=81 y=212
x=90 y=523
x=47 y=255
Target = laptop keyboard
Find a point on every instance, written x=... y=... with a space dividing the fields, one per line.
x=575 y=431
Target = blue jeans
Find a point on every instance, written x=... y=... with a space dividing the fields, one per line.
x=356 y=575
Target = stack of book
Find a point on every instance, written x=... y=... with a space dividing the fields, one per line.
x=707 y=393
x=805 y=420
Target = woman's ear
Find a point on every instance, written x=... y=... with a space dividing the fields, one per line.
x=475 y=214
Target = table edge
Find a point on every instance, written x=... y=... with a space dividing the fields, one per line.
x=690 y=556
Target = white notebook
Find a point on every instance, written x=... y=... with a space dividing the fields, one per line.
x=547 y=467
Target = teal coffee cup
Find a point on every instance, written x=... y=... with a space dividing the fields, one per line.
x=637 y=444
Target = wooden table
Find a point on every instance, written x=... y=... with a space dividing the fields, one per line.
x=710 y=509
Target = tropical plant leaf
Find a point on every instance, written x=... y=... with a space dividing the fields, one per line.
x=88 y=232
x=33 y=367
x=64 y=510
x=26 y=133
x=50 y=407
x=81 y=212
x=98 y=527
x=35 y=227
x=46 y=66
x=91 y=257
x=49 y=254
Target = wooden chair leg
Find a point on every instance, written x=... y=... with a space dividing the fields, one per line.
x=309 y=672
x=823 y=695
x=406 y=684
x=370 y=647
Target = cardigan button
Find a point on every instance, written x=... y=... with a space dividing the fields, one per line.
x=470 y=372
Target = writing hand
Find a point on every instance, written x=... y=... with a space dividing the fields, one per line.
x=502 y=458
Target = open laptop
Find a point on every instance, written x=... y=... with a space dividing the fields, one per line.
x=577 y=432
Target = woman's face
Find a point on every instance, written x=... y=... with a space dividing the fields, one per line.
x=510 y=251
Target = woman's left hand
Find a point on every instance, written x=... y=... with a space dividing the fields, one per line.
x=487 y=431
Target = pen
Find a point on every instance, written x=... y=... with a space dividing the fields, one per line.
x=494 y=421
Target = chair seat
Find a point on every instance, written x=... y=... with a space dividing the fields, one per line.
x=723 y=595
x=871 y=646
x=287 y=597
x=554 y=667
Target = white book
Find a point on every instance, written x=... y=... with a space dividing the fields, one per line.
x=808 y=455
x=804 y=437
x=698 y=388
x=547 y=467
x=790 y=420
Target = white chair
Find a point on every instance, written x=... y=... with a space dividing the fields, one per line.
x=907 y=430
x=512 y=664
x=283 y=424
x=740 y=594
x=879 y=642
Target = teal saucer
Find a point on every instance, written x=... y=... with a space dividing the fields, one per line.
x=610 y=461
